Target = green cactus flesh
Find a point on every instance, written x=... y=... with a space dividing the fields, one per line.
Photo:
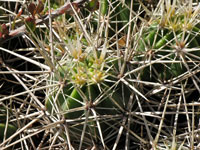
x=10 y=130
x=86 y=91
x=163 y=43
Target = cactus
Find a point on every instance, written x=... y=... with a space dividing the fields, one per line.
x=168 y=49
x=7 y=129
x=169 y=39
x=96 y=84
x=113 y=75
x=10 y=130
x=86 y=75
